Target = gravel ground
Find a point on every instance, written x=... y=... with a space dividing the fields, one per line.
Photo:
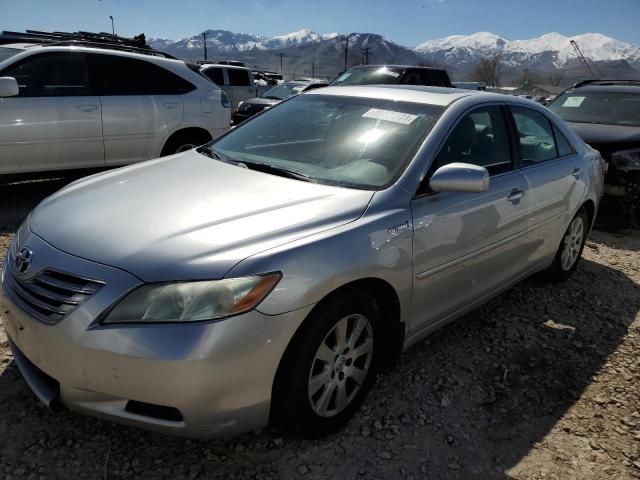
x=542 y=382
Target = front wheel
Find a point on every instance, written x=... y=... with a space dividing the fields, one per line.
x=570 y=250
x=330 y=366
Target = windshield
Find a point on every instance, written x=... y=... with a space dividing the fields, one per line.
x=336 y=140
x=8 y=52
x=284 y=90
x=609 y=108
x=369 y=76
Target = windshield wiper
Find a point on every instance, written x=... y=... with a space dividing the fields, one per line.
x=216 y=155
x=283 y=172
x=270 y=97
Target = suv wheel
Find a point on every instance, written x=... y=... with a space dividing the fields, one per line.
x=182 y=141
x=331 y=366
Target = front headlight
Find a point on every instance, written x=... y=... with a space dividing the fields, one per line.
x=192 y=301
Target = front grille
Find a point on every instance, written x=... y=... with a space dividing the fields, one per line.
x=50 y=295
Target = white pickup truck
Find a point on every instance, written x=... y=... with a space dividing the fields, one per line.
x=238 y=82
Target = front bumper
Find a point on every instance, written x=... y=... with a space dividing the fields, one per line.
x=218 y=376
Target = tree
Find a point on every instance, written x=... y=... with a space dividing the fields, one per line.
x=489 y=70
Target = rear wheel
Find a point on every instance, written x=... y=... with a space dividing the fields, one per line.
x=185 y=140
x=570 y=250
x=330 y=367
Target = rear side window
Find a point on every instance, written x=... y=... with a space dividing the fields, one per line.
x=115 y=75
x=215 y=75
x=51 y=75
x=564 y=147
x=535 y=136
x=238 y=78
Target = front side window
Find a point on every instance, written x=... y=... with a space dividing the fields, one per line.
x=117 y=75
x=336 y=140
x=238 y=78
x=535 y=136
x=51 y=75
x=608 y=108
x=480 y=138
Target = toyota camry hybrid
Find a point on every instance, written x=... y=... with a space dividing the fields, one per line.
x=269 y=275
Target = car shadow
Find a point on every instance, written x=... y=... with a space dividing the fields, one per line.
x=470 y=401
x=18 y=198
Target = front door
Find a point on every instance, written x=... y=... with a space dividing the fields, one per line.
x=54 y=123
x=466 y=245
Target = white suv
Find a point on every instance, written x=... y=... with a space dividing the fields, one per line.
x=71 y=107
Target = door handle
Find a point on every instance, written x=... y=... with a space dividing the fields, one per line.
x=515 y=195
x=87 y=108
x=170 y=106
x=576 y=172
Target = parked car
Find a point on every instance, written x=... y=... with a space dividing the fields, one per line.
x=249 y=108
x=271 y=273
x=84 y=105
x=606 y=114
x=393 y=75
x=238 y=82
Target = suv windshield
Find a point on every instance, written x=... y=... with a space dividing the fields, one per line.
x=284 y=90
x=369 y=76
x=337 y=140
x=609 y=108
x=8 y=52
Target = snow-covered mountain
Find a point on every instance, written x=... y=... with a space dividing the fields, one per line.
x=224 y=41
x=306 y=52
x=551 y=47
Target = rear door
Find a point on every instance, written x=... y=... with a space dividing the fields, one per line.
x=54 y=123
x=141 y=105
x=553 y=173
x=467 y=245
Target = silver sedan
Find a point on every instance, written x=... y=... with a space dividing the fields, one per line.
x=267 y=276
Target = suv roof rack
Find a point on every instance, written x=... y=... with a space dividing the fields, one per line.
x=606 y=82
x=137 y=44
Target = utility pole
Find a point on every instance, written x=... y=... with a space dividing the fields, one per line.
x=365 y=53
x=281 y=63
x=346 y=51
x=113 y=30
x=204 y=35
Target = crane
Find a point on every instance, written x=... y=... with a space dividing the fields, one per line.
x=584 y=60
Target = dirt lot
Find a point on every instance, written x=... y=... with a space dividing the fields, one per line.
x=542 y=382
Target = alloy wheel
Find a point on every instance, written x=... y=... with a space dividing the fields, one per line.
x=340 y=365
x=572 y=244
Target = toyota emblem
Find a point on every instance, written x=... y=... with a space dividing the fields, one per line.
x=23 y=260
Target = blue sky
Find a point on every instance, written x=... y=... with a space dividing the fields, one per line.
x=407 y=22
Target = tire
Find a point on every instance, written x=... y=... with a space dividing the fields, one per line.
x=570 y=250
x=183 y=141
x=314 y=397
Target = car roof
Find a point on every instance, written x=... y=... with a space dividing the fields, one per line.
x=32 y=47
x=396 y=66
x=607 y=88
x=223 y=65
x=440 y=96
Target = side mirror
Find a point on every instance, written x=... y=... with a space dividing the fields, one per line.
x=460 y=177
x=9 y=87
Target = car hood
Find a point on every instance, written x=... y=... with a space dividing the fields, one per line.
x=593 y=133
x=262 y=101
x=187 y=216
